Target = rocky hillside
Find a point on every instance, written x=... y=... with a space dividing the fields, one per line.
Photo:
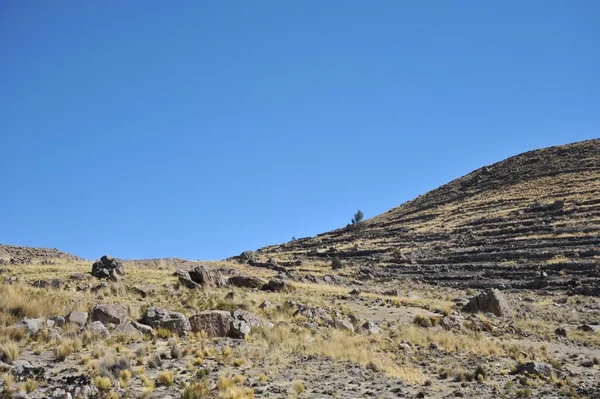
x=18 y=255
x=530 y=221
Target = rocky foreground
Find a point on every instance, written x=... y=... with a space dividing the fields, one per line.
x=231 y=330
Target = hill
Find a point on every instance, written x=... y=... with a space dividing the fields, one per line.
x=530 y=221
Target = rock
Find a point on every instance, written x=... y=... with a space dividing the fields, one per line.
x=59 y=321
x=162 y=318
x=248 y=257
x=219 y=280
x=355 y=292
x=491 y=301
x=278 y=285
x=450 y=323
x=371 y=328
x=186 y=280
x=108 y=268
x=200 y=275
x=391 y=292
x=265 y=305
x=588 y=328
x=23 y=370
x=560 y=331
x=54 y=283
x=343 y=325
x=239 y=329
x=535 y=368
x=143 y=328
x=243 y=323
x=77 y=277
x=77 y=317
x=146 y=290
x=216 y=323
x=127 y=329
x=230 y=296
x=113 y=313
x=31 y=326
x=246 y=281
x=97 y=328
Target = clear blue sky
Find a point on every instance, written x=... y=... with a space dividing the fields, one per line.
x=200 y=129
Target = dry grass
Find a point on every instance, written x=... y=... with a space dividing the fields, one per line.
x=165 y=378
x=9 y=351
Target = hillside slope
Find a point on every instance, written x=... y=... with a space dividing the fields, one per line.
x=530 y=221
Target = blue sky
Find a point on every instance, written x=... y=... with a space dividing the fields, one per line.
x=201 y=129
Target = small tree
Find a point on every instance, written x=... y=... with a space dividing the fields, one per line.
x=357 y=223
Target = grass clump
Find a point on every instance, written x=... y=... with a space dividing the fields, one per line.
x=196 y=390
x=9 y=351
x=102 y=383
x=165 y=378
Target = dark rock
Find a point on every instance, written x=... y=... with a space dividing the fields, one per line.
x=588 y=328
x=246 y=281
x=163 y=318
x=108 y=268
x=491 y=301
x=113 y=313
x=278 y=285
x=200 y=275
x=562 y=332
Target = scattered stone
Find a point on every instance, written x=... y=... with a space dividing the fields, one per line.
x=343 y=325
x=127 y=329
x=77 y=317
x=230 y=296
x=216 y=323
x=391 y=292
x=491 y=301
x=113 y=313
x=246 y=281
x=97 y=328
x=588 y=328
x=265 y=305
x=278 y=285
x=146 y=290
x=143 y=328
x=59 y=321
x=354 y=292
x=450 y=323
x=371 y=328
x=163 y=318
x=31 y=326
x=54 y=283
x=23 y=370
x=535 y=368
x=560 y=331
x=243 y=323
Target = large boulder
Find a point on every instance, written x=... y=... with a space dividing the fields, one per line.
x=163 y=318
x=201 y=276
x=77 y=317
x=490 y=301
x=243 y=323
x=109 y=268
x=113 y=313
x=278 y=285
x=216 y=323
x=246 y=281
x=185 y=279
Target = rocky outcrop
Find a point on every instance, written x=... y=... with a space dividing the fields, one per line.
x=535 y=368
x=490 y=301
x=108 y=268
x=278 y=285
x=163 y=318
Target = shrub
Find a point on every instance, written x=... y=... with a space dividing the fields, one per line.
x=102 y=383
x=111 y=367
x=336 y=263
x=196 y=390
x=9 y=351
x=155 y=361
x=165 y=378
x=298 y=387
x=176 y=351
